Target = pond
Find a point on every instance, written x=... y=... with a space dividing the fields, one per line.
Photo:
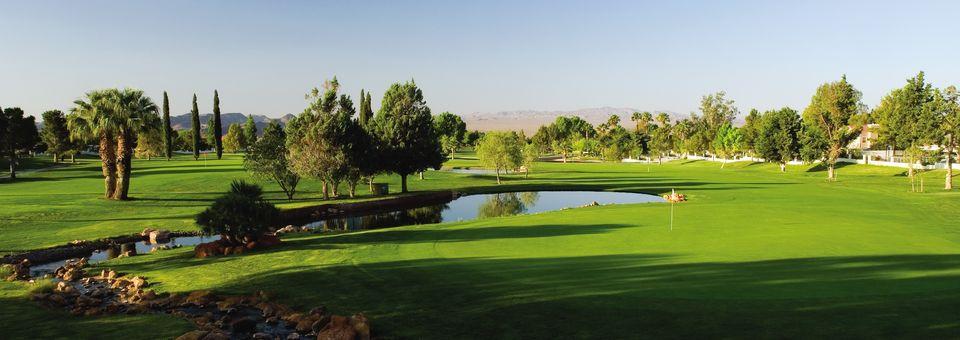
x=463 y=208
x=483 y=206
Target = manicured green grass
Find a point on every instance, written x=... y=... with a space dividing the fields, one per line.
x=754 y=253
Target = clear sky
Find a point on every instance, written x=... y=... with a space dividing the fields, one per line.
x=471 y=56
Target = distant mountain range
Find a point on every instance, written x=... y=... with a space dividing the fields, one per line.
x=530 y=120
x=183 y=122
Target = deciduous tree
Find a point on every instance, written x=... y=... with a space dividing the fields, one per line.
x=501 y=150
x=777 y=136
x=832 y=108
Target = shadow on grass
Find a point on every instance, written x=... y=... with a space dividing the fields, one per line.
x=822 y=167
x=625 y=296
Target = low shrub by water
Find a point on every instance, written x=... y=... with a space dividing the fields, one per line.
x=42 y=286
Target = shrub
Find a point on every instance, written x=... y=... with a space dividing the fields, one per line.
x=42 y=286
x=240 y=216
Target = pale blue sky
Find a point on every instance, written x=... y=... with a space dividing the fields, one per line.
x=472 y=55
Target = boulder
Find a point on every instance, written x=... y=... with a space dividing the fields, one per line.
x=216 y=335
x=361 y=325
x=201 y=297
x=339 y=328
x=159 y=236
x=215 y=248
x=243 y=326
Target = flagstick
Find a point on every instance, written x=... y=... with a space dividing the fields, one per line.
x=671 y=216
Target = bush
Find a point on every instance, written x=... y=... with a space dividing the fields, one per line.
x=42 y=287
x=240 y=216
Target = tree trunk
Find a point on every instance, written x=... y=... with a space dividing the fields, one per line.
x=564 y=157
x=73 y=159
x=323 y=186
x=13 y=167
x=497 y=171
x=783 y=167
x=948 y=184
x=353 y=189
x=403 y=183
x=124 y=153
x=830 y=174
x=421 y=175
x=370 y=182
x=108 y=165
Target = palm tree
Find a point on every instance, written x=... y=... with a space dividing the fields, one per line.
x=134 y=113
x=94 y=118
x=642 y=120
x=114 y=117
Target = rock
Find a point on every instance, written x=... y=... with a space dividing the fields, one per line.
x=66 y=289
x=159 y=236
x=193 y=335
x=57 y=299
x=286 y=230
x=201 y=297
x=93 y=312
x=86 y=301
x=217 y=336
x=339 y=328
x=361 y=325
x=243 y=326
x=21 y=271
x=215 y=248
x=138 y=282
x=320 y=323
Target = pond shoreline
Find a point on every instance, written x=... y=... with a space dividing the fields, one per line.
x=83 y=248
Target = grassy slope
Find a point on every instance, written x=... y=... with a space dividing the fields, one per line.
x=753 y=252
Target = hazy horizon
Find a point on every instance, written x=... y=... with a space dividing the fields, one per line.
x=471 y=57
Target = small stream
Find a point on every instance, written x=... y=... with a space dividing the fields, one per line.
x=141 y=247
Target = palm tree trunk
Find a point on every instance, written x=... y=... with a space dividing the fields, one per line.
x=124 y=155
x=108 y=165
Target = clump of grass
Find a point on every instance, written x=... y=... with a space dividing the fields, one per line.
x=6 y=271
x=41 y=287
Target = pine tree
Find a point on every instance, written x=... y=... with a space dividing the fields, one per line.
x=217 y=131
x=195 y=115
x=167 y=130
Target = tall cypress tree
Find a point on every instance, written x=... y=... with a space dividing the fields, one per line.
x=167 y=131
x=366 y=113
x=195 y=115
x=217 y=131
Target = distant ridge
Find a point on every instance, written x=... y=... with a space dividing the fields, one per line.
x=182 y=122
x=530 y=120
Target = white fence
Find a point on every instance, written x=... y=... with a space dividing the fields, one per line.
x=937 y=166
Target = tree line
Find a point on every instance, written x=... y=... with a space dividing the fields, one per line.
x=918 y=119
